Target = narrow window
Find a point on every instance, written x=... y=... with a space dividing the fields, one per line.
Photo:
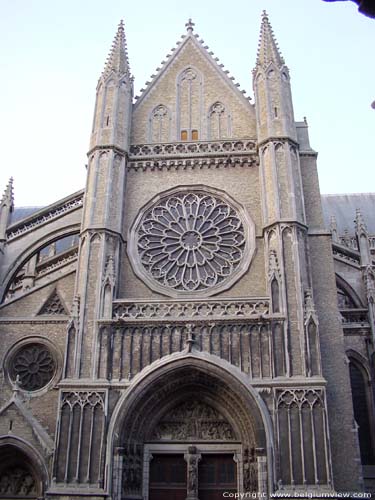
x=184 y=135
x=194 y=135
x=107 y=120
x=275 y=110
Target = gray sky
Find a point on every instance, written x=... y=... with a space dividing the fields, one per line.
x=52 y=54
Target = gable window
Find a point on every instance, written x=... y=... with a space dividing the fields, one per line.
x=184 y=135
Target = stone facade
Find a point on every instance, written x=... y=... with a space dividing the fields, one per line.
x=189 y=311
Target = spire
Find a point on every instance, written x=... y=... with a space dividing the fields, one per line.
x=7 y=197
x=117 y=59
x=268 y=50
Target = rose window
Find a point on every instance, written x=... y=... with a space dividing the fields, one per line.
x=33 y=367
x=190 y=242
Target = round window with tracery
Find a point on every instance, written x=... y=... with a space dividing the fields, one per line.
x=191 y=241
x=32 y=366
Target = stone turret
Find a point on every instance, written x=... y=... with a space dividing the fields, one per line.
x=102 y=223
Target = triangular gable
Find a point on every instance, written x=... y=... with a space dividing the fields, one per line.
x=215 y=110
x=208 y=55
x=31 y=426
x=54 y=305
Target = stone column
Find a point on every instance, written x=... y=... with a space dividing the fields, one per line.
x=262 y=470
x=192 y=458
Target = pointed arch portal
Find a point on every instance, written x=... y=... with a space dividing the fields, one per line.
x=189 y=429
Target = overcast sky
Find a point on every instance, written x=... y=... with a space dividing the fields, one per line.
x=52 y=53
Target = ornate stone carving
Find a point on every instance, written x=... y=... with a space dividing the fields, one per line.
x=132 y=471
x=191 y=421
x=210 y=309
x=17 y=481
x=83 y=398
x=192 y=148
x=300 y=397
x=53 y=305
x=250 y=470
x=33 y=366
x=227 y=161
x=190 y=241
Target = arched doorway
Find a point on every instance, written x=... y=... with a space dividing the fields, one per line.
x=190 y=429
x=20 y=477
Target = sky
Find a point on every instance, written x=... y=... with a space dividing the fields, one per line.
x=52 y=53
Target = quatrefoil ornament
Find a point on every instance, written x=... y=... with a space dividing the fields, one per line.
x=191 y=242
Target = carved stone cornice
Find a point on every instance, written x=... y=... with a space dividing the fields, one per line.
x=227 y=161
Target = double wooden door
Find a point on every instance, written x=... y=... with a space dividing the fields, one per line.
x=168 y=476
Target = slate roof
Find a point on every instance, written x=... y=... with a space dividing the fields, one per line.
x=344 y=206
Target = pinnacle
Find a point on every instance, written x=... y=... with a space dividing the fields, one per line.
x=8 y=193
x=268 y=50
x=117 y=59
x=360 y=225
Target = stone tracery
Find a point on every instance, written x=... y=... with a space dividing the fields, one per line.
x=190 y=241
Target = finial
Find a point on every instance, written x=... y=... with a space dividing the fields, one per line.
x=190 y=26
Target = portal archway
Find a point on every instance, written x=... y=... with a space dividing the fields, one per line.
x=196 y=409
x=21 y=473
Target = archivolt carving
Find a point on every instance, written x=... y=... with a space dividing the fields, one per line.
x=190 y=241
x=193 y=420
x=17 y=481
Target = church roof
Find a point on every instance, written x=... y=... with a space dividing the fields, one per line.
x=344 y=206
x=207 y=54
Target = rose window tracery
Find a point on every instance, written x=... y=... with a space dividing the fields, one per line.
x=32 y=367
x=190 y=241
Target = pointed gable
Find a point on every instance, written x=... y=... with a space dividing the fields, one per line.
x=53 y=305
x=192 y=98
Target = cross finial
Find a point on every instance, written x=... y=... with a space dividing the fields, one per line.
x=190 y=26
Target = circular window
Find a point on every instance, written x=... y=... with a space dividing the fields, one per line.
x=191 y=241
x=32 y=366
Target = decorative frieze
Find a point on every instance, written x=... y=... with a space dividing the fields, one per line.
x=210 y=309
x=203 y=148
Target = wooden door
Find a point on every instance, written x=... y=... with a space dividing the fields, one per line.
x=167 y=477
x=217 y=474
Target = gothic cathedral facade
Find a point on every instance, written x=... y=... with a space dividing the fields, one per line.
x=174 y=331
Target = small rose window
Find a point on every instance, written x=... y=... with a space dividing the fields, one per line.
x=32 y=366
